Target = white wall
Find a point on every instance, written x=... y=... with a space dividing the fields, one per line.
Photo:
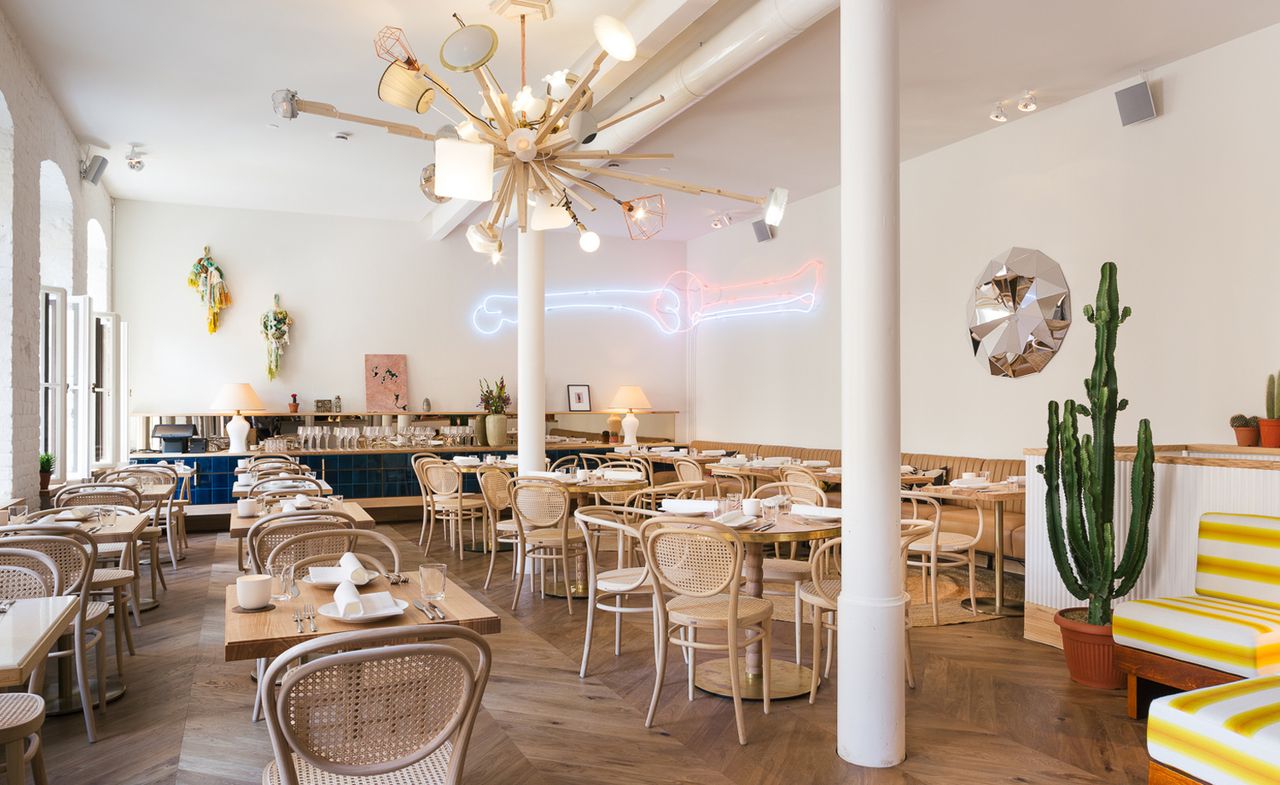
x=361 y=286
x=1186 y=205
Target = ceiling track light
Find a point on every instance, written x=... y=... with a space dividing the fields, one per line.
x=1028 y=102
x=998 y=114
x=134 y=159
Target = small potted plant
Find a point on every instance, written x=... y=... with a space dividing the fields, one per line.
x=293 y=402
x=494 y=400
x=1269 y=426
x=46 y=469
x=1079 y=469
x=1246 y=429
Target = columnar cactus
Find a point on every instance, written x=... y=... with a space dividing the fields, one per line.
x=1273 y=397
x=1079 y=470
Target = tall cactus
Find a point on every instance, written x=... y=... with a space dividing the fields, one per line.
x=1273 y=398
x=1079 y=469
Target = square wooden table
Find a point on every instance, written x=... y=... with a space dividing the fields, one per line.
x=241 y=490
x=28 y=631
x=248 y=636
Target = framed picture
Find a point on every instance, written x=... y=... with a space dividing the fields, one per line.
x=579 y=397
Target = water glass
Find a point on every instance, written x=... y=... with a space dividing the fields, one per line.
x=771 y=512
x=285 y=585
x=335 y=502
x=431 y=577
x=17 y=513
x=734 y=501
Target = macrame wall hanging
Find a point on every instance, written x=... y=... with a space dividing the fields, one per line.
x=206 y=277
x=275 y=328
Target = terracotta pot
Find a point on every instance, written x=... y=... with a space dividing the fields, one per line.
x=293 y=407
x=496 y=430
x=44 y=480
x=1246 y=436
x=1090 y=652
x=1269 y=433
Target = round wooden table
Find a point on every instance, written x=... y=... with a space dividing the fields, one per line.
x=786 y=679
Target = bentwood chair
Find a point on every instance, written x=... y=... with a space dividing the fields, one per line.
x=271 y=457
x=700 y=562
x=443 y=499
x=499 y=521
x=294 y=484
x=540 y=508
x=289 y=549
x=941 y=549
x=375 y=707
x=269 y=531
x=619 y=583
x=166 y=519
x=790 y=572
x=74 y=553
x=690 y=471
x=564 y=462
x=21 y=717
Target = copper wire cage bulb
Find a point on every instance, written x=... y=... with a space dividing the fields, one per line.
x=645 y=216
x=391 y=45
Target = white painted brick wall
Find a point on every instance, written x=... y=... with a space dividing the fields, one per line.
x=40 y=132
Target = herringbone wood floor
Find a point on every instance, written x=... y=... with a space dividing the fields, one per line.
x=989 y=707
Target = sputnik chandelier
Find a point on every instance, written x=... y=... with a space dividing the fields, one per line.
x=527 y=143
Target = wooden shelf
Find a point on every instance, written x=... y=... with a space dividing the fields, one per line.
x=364 y=414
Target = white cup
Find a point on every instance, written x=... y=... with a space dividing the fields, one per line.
x=246 y=507
x=582 y=475
x=969 y=476
x=751 y=507
x=242 y=463
x=253 y=591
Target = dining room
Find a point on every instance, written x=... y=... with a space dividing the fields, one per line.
x=644 y=391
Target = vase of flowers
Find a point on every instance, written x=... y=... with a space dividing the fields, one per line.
x=494 y=400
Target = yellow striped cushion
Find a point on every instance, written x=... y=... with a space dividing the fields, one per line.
x=1224 y=735
x=1238 y=558
x=1229 y=636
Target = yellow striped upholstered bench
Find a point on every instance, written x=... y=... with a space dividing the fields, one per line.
x=1228 y=630
x=1223 y=735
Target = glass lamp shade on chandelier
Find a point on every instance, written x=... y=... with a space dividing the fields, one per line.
x=524 y=154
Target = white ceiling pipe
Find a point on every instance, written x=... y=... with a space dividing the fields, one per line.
x=758 y=31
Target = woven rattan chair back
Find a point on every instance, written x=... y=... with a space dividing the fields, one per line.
x=591 y=460
x=26 y=572
x=925 y=521
x=145 y=474
x=440 y=478
x=565 y=462
x=799 y=475
x=693 y=557
x=271 y=470
x=538 y=503
x=86 y=494
x=271 y=530
x=50 y=515
x=271 y=457
x=624 y=523
x=293 y=483
x=382 y=702
x=688 y=470
x=302 y=543
x=824 y=564
x=495 y=490
x=72 y=552
x=805 y=494
x=620 y=498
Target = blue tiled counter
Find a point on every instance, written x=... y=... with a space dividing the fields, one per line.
x=355 y=475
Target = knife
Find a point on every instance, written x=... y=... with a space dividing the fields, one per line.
x=418 y=604
x=437 y=609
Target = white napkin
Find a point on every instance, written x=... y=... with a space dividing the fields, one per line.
x=713 y=453
x=736 y=460
x=623 y=449
x=302 y=501
x=835 y=470
x=74 y=514
x=513 y=459
x=664 y=449
x=622 y=474
x=347 y=600
x=162 y=463
x=905 y=469
x=349 y=569
x=466 y=460
x=544 y=475
x=777 y=460
x=773 y=501
x=686 y=506
x=813 y=511
x=734 y=519
x=815 y=464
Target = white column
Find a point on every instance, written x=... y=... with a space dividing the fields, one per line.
x=531 y=387
x=870 y=727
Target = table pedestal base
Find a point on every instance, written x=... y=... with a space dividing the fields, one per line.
x=988 y=605
x=67 y=701
x=579 y=590
x=787 y=680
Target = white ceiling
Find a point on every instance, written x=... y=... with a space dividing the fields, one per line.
x=191 y=82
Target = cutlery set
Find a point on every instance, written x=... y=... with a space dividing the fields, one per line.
x=307 y=613
x=430 y=610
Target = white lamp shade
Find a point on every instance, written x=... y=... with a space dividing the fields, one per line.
x=237 y=397
x=614 y=37
x=523 y=143
x=464 y=170
x=630 y=397
x=547 y=216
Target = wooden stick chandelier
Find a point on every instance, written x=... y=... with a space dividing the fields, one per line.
x=527 y=144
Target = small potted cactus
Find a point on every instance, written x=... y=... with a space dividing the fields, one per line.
x=293 y=402
x=1246 y=429
x=1269 y=426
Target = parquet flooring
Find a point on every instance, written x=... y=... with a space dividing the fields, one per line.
x=989 y=707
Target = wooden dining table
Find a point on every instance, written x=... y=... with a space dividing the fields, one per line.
x=240 y=524
x=28 y=631
x=994 y=496
x=248 y=636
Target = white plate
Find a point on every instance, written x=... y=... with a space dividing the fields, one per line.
x=833 y=515
x=330 y=611
x=962 y=483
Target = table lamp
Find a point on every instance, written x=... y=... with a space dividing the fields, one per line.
x=237 y=397
x=630 y=398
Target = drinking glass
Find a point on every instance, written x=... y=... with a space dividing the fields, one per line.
x=734 y=501
x=107 y=517
x=431 y=577
x=285 y=585
x=17 y=513
x=770 y=513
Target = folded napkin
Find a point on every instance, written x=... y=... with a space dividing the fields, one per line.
x=813 y=511
x=623 y=474
x=815 y=464
x=714 y=453
x=663 y=449
x=835 y=470
x=734 y=461
x=466 y=460
x=513 y=459
x=777 y=460
x=351 y=604
x=905 y=469
x=624 y=449
x=74 y=514
x=687 y=506
x=302 y=501
x=774 y=501
x=734 y=519
x=544 y=475
x=350 y=569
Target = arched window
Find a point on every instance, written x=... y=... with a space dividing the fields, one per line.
x=56 y=255
x=6 y=284
x=55 y=227
x=99 y=273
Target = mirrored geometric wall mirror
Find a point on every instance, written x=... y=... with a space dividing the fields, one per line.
x=1019 y=313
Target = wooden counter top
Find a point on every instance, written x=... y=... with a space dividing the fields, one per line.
x=510 y=448
x=1222 y=455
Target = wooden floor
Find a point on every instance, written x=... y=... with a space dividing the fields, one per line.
x=989 y=707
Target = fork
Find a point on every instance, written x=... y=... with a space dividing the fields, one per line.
x=310 y=612
x=5 y=605
x=297 y=619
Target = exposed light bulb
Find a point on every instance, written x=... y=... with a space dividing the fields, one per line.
x=588 y=240
x=523 y=143
x=1028 y=102
x=641 y=213
x=998 y=114
x=495 y=258
x=527 y=103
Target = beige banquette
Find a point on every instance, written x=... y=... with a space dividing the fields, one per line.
x=957 y=516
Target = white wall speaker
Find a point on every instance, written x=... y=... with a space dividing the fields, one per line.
x=92 y=169
x=1135 y=104
x=764 y=232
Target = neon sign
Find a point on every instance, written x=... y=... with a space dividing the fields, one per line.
x=682 y=302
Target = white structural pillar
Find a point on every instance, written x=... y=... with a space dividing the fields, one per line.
x=871 y=702
x=531 y=348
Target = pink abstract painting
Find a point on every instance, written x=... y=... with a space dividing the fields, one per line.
x=386 y=382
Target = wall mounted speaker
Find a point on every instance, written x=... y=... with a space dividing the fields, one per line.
x=764 y=232
x=1135 y=104
x=92 y=169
